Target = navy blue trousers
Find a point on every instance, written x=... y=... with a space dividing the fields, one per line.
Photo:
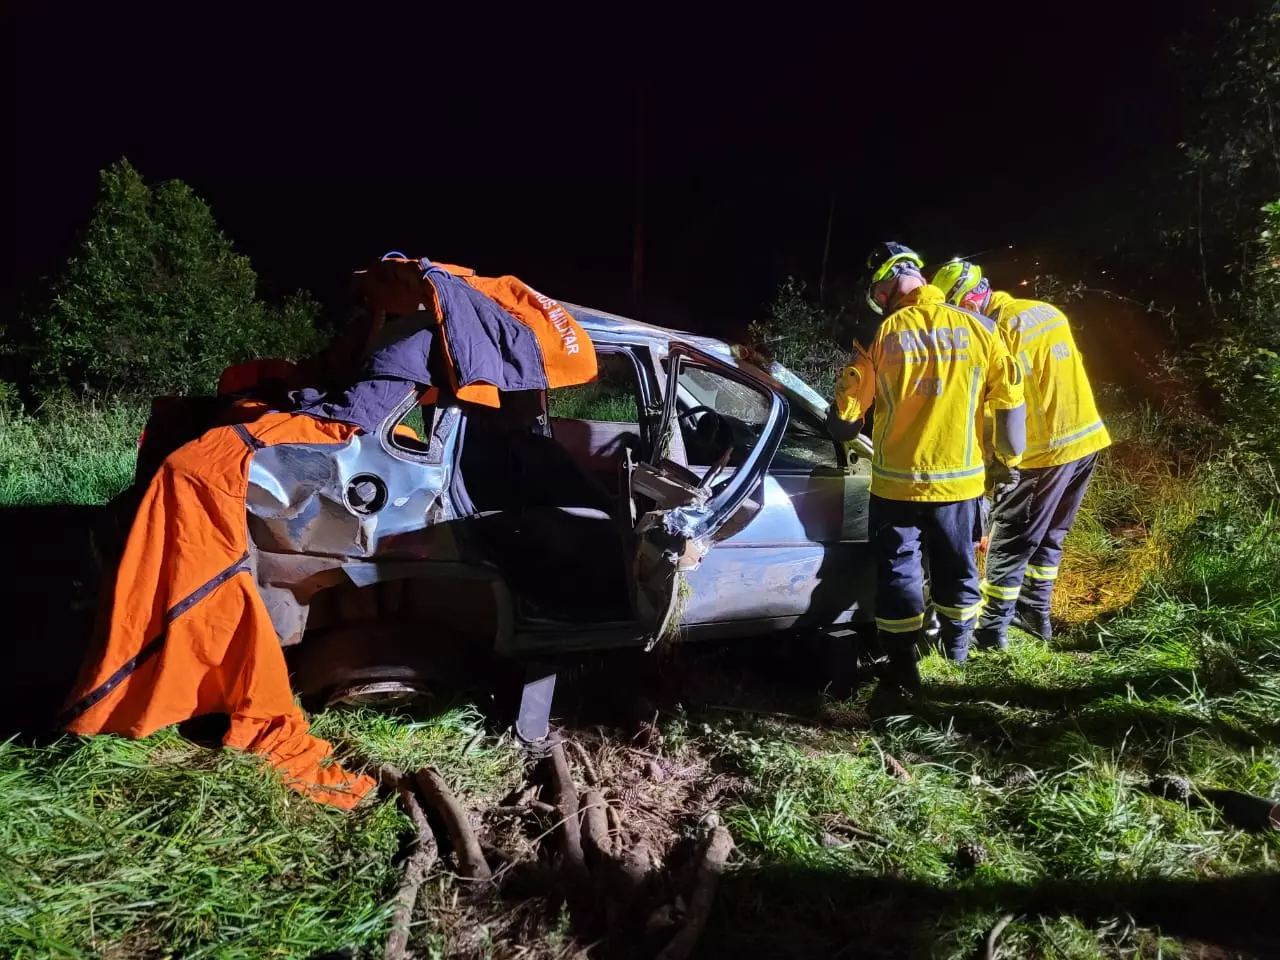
x=900 y=532
x=1027 y=529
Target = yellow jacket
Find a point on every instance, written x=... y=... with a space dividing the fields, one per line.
x=1062 y=419
x=930 y=370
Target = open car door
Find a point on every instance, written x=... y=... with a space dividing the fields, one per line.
x=683 y=514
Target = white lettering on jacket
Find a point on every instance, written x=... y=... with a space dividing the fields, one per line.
x=560 y=321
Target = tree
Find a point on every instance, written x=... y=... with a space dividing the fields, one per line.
x=156 y=300
x=1233 y=147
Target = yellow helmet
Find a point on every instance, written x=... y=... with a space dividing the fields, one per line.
x=957 y=279
x=889 y=259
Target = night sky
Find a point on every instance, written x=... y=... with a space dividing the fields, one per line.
x=509 y=144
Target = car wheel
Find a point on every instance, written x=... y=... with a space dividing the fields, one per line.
x=378 y=664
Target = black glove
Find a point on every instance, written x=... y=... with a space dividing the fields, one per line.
x=1003 y=479
x=842 y=431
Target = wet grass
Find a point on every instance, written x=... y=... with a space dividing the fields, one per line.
x=1030 y=767
x=158 y=847
x=69 y=454
x=907 y=832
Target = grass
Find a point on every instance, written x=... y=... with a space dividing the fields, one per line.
x=80 y=454
x=158 y=847
x=1023 y=770
x=169 y=848
x=1040 y=756
x=594 y=401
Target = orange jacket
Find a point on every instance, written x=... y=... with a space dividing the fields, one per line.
x=398 y=286
x=189 y=633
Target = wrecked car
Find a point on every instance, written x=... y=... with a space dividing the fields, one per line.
x=679 y=491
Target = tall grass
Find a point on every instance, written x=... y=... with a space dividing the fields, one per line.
x=1040 y=757
x=158 y=847
x=1140 y=502
x=69 y=453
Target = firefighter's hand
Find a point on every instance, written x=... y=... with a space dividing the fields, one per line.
x=1003 y=479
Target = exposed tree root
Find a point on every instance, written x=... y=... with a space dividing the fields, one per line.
x=595 y=837
x=466 y=849
x=609 y=875
x=714 y=856
x=992 y=944
x=565 y=797
x=584 y=758
x=524 y=809
x=422 y=857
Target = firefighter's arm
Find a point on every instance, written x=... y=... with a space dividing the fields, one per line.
x=988 y=435
x=1005 y=398
x=855 y=392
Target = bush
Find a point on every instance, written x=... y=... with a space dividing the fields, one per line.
x=156 y=300
x=1242 y=363
x=801 y=336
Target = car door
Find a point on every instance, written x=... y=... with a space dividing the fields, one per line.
x=684 y=514
x=803 y=560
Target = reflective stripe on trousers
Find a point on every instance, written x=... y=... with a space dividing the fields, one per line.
x=900 y=531
x=1028 y=528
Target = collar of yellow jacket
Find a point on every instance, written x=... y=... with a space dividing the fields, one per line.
x=921 y=295
x=999 y=300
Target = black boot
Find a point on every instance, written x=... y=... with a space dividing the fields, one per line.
x=955 y=641
x=990 y=638
x=902 y=671
x=1034 y=622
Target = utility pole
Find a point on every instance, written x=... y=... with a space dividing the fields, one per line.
x=826 y=252
x=637 y=239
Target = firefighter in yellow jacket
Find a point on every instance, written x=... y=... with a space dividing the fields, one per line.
x=1032 y=516
x=930 y=371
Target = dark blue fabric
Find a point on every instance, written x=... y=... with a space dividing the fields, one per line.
x=486 y=343
x=365 y=404
x=396 y=367
x=1028 y=527
x=900 y=530
x=402 y=350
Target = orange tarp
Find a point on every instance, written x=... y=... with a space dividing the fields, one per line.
x=189 y=634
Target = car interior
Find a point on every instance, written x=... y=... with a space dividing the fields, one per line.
x=558 y=482
x=552 y=523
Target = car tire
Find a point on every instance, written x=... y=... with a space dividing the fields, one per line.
x=379 y=663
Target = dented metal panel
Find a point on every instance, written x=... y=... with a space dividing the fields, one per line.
x=797 y=558
x=361 y=499
x=811 y=584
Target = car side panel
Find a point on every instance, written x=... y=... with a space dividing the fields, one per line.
x=803 y=556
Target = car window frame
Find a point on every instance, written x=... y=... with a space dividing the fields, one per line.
x=640 y=393
x=724 y=504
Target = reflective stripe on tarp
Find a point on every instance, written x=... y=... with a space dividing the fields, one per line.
x=152 y=648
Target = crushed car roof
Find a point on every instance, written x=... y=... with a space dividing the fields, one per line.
x=604 y=326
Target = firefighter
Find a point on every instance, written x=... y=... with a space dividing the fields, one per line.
x=931 y=369
x=1032 y=511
